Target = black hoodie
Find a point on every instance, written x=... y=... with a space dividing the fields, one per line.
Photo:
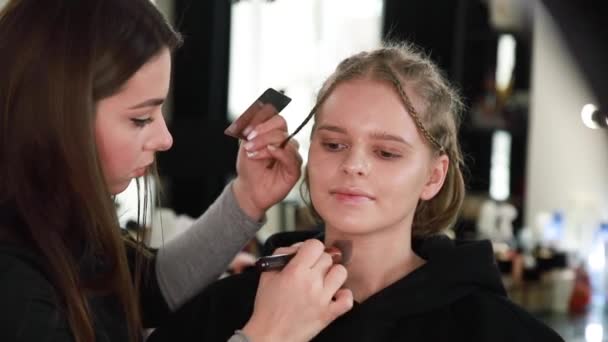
x=457 y=295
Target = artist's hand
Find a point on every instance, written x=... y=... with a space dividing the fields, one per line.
x=296 y=303
x=241 y=261
x=258 y=187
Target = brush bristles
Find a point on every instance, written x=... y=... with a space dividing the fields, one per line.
x=346 y=249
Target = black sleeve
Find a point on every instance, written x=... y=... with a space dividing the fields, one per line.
x=28 y=309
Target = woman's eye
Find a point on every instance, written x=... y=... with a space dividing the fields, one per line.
x=141 y=122
x=387 y=155
x=330 y=146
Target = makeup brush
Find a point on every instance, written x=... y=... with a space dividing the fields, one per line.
x=340 y=252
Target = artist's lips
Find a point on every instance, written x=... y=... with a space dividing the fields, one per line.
x=352 y=195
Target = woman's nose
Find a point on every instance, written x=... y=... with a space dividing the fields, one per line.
x=356 y=163
x=161 y=139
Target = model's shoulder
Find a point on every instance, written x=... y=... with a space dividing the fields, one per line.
x=243 y=283
x=494 y=312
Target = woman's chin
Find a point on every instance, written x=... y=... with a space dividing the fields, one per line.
x=348 y=227
x=117 y=188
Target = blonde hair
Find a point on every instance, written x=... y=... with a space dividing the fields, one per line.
x=438 y=120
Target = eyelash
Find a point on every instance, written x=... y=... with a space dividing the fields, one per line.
x=387 y=155
x=332 y=147
x=335 y=147
x=141 y=122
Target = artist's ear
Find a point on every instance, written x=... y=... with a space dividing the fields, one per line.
x=438 y=170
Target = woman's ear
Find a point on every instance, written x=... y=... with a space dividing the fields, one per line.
x=437 y=173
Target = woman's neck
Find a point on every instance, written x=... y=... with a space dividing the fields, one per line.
x=377 y=260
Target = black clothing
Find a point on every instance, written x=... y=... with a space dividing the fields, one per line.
x=29 y=310
x=456 y=296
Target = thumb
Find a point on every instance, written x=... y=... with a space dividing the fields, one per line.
x=288 y=157
x=341 y=304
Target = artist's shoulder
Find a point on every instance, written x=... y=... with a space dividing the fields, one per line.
x=29 y=309
x=21 y=272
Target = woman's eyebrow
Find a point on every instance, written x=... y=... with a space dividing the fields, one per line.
x=149 y=103
x=390 y=137
x=332 y=128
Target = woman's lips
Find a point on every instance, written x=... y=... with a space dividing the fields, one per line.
x=352 y=196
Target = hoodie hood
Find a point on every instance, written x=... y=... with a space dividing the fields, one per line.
x=454 y=269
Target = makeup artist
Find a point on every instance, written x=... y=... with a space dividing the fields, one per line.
x=81 y=93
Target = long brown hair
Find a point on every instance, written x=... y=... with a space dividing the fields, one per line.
x=438 y=121
x=59 y=58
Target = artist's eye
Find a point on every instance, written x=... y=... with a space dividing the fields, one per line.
x=141 y=122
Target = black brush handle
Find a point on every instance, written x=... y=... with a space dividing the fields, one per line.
x=273 y=262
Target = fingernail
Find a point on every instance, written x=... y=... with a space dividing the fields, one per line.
x=252 y=135
x=272 y=147
x=248 y=146
x=247 y=130
x=251 y=154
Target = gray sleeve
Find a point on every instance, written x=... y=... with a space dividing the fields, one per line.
x=190 y=262
x=239 y=336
